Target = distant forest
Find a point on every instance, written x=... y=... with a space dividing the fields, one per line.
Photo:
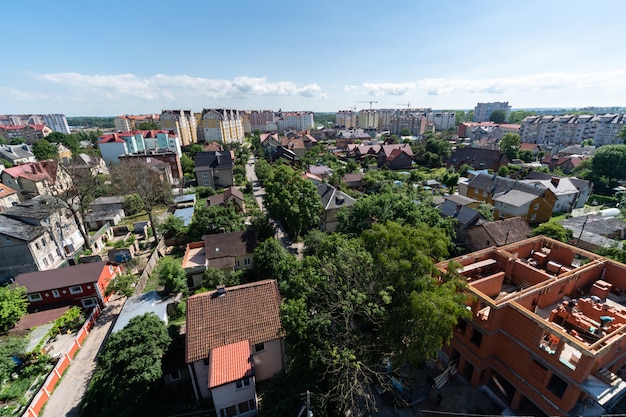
x=99 y=122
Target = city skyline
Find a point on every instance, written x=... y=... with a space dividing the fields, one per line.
x=83 y=59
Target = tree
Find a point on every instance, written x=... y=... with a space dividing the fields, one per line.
x=148 y=126
x=486 y=210
x=174 y=227
x=292 y=200
x=267 y=258
x=609 y=161
x=498 y=116
x=553 y=230
x=263 y=226
x=13 y=305
x=262 y=169
x=621 y=135
x=42 y=149
x=10 y=348
x=136 y=177
x=123 y=284
x=171 y=274
x=503 y=171
x=127 y=370
x=187 y=164
x=209 y=220
x=405 y=132
x=510 y=145
x=450 y=179
x=212 y=278
x=464 y=168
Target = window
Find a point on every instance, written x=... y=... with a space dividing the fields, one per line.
x=77 y=289
x=205 y=362
x=45 y=262
x=175 y=376
x=35 y=297
x=246 y=406
x=242 y=383
x=477 y=338
x=55 y=293
x=533 y=217
x=89 y=302
x=51 y=257
x=205 y=175
x=230 y=411
x=259 y=347
x=237 y=263
x=476 y=191
x=536 y=206
x=461 y=326
x=44 y=242
x=557 y=386
x=247 y=261
x=37 y=246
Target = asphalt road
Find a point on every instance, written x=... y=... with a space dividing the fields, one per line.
x=69 y=392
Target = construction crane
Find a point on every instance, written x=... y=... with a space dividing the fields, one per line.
x=370 y=102
x=408 y=105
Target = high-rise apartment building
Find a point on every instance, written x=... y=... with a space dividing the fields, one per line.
x=221 y=125
x=345 y=119
x=482 y=111
x=368 y=119
x=56 y=122
x=182 y=122
x=127 y=122
x=442 y=120
x=298 y=121
x=259 y=119
x=572 y=129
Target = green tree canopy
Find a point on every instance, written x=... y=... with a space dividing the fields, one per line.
x=42 y=149
x=127 y=370
x=553 y=230
x=292 y=200
x=9 y=348
x=498 y=116
x=171 y=274
x=621 y=135
x=13 y=305
x=510 y=145
x=610 y=161
x=208 y=220
x=267 y=258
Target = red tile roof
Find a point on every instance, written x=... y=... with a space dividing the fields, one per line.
x=6 y=191
x=229 y=363
x=35 y=171
x=244 y=312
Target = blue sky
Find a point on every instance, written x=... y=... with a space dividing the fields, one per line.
x=105 y=58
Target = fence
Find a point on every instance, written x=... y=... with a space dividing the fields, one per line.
x=45 y=392
x=147 y=271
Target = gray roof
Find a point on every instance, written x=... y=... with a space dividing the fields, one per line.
x=213 y=159
x=185 y=214
x=95 y=216
x=40 y=207
x=577 y=182
x=460 y=199
x=605 y=226
x=464 y=215
x=508 y=230
x=333 y=198
x=139 y=305
x=19 y=230
x=515 y=198
x=15 y=152
x=185 y=198
x=494 y=184
x=116 y=199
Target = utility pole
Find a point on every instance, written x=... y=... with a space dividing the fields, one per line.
x=581 y=230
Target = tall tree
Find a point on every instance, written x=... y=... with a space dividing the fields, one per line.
x=553 y=230
x=208 y=220
x=609 y=161
x=510 y=145
x=171 y=274
x=13 y=305
x=137 y=177
x=498 y=116
x=292 y=200
x=42 y=149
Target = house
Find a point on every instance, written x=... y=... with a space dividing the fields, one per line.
x=107 y=203
x=31 y=133
x=230 y=197
x=546 y=327
x=497 y=233
x=225 y=251
x=37 y=235
x=565 y=163
x=584 y=188
x=464 y=215
x=85 y=165
x=395 y=156
x=117 y=144
x=96 y=219
x=354 y=180
x=17 y=154
x=477 y=158
x=567 y=194
x=512 y=198
x=168 y=157
x=37 y=178
x=320 y=171
x=214 y=169
x=218 y=322
x=186 y=200
x=83 y=285
x=333 y=200
x=8 y=197
x=595 y=231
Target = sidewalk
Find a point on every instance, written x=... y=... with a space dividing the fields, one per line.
x=67 y=396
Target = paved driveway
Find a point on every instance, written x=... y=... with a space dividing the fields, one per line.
x=67 y=396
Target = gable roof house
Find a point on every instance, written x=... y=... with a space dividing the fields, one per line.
x=465 y=217
x=354 y=180
x=497 y=233
x=225 y=251
x=17 y=154
x=230 y=196
x=83 y=285
x=234 y=339
x=396 y=156
x=37 y=178
x=8 y=197
x=37 y=235
x=477 y=158
x=333 y=200
x=511 y=198
x=584 y=188
x=214 y=169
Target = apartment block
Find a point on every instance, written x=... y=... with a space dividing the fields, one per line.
x=345 y=119
x=482 y=111
x=368 y=119
x=442 y=120
x=221 y=125
x=547 y=332
x=262 y=120
x=127 y=122
x=182 y=122
x=572 y=129
x=298 y=121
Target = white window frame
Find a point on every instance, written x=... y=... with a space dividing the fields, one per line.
x=74 y=290
x=247 y=261
x=242 y=383
x=89 y=302
x=35 y=297
x=55 y=293
x=533 y=217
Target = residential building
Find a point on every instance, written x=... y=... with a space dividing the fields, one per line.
x=321 y=171
x=228 y=252
x=462 y=209
x=261 y=120
x=395 y=156
x=345 y=119
x=477 y=158
x=17 y=154
x=128 y=123
x=483 y=111
x=214 y=169
x=570 y=193
x=351 y=136
x=183 y=123
x=37 y=178
x=8 y=197
x=546 y=331
x=511 y=198
x=298 y=121
x=231 y=196
x=165 y=156
x=442 y=120
x=114 y=145
x=298 y=143
x=29 y=133
x=353 y=180
x=56 y=122
x=572 y=129
x=36 y=235
x=497 y=233
x=217 y=324
x=333 y=200
x=596 y=230
x=368 y=119
x=82 y=285
x=221 y=125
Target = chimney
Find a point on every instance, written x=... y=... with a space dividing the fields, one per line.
x=555 y=181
